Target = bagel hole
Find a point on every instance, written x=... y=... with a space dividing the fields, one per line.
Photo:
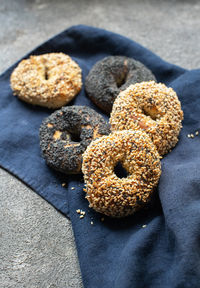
x=152 y=112
x=46 y=75
x=120 y=171
x=121 y=81
x=75 y=137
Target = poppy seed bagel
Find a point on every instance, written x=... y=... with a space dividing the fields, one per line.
x=110 y=76
x=65 y=135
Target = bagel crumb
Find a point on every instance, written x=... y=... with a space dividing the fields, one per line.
x=63 y=184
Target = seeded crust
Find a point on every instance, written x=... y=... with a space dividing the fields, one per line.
x=151 y=107
x=119 y=197
x=66 y=133
x=49 y=80
x=110 y=76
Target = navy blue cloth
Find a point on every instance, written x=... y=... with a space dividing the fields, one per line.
x=117 y=253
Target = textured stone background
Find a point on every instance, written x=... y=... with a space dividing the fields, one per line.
x=36 y=242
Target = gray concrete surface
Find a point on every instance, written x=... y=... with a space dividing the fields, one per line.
x=36 y=242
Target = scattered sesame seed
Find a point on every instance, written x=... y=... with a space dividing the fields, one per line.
x=188 y=135
x=143 y=226
x=192 y=135
x=81 y=216
x=72 y=188
x=91 y=222
x=63 y=184
x=197 y=133
x=78 y=211
x=82 y=212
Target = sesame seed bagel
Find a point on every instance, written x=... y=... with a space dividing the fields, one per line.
x=66 y=133
x=152 y=107
x=106 y=192
x=110 y=76
x=49 y=80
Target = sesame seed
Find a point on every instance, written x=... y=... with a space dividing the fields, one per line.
x=192 y=135
x=81 y=216
x=143 y=226
x=188 y=135
x=197 y=133
x=78 y=211
x=63 y=184
x=91 y=222
x=72 y=188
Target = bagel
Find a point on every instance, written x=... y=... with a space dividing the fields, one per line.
x=106 y=192
x=152 y=107
x=110 y=76
x=50 y=80
x=66 y=133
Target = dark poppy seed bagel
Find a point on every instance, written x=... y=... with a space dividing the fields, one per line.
x=152 y=107
x=106 y=192
x=50 y=80
x=110 y=76
x=66 y=133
